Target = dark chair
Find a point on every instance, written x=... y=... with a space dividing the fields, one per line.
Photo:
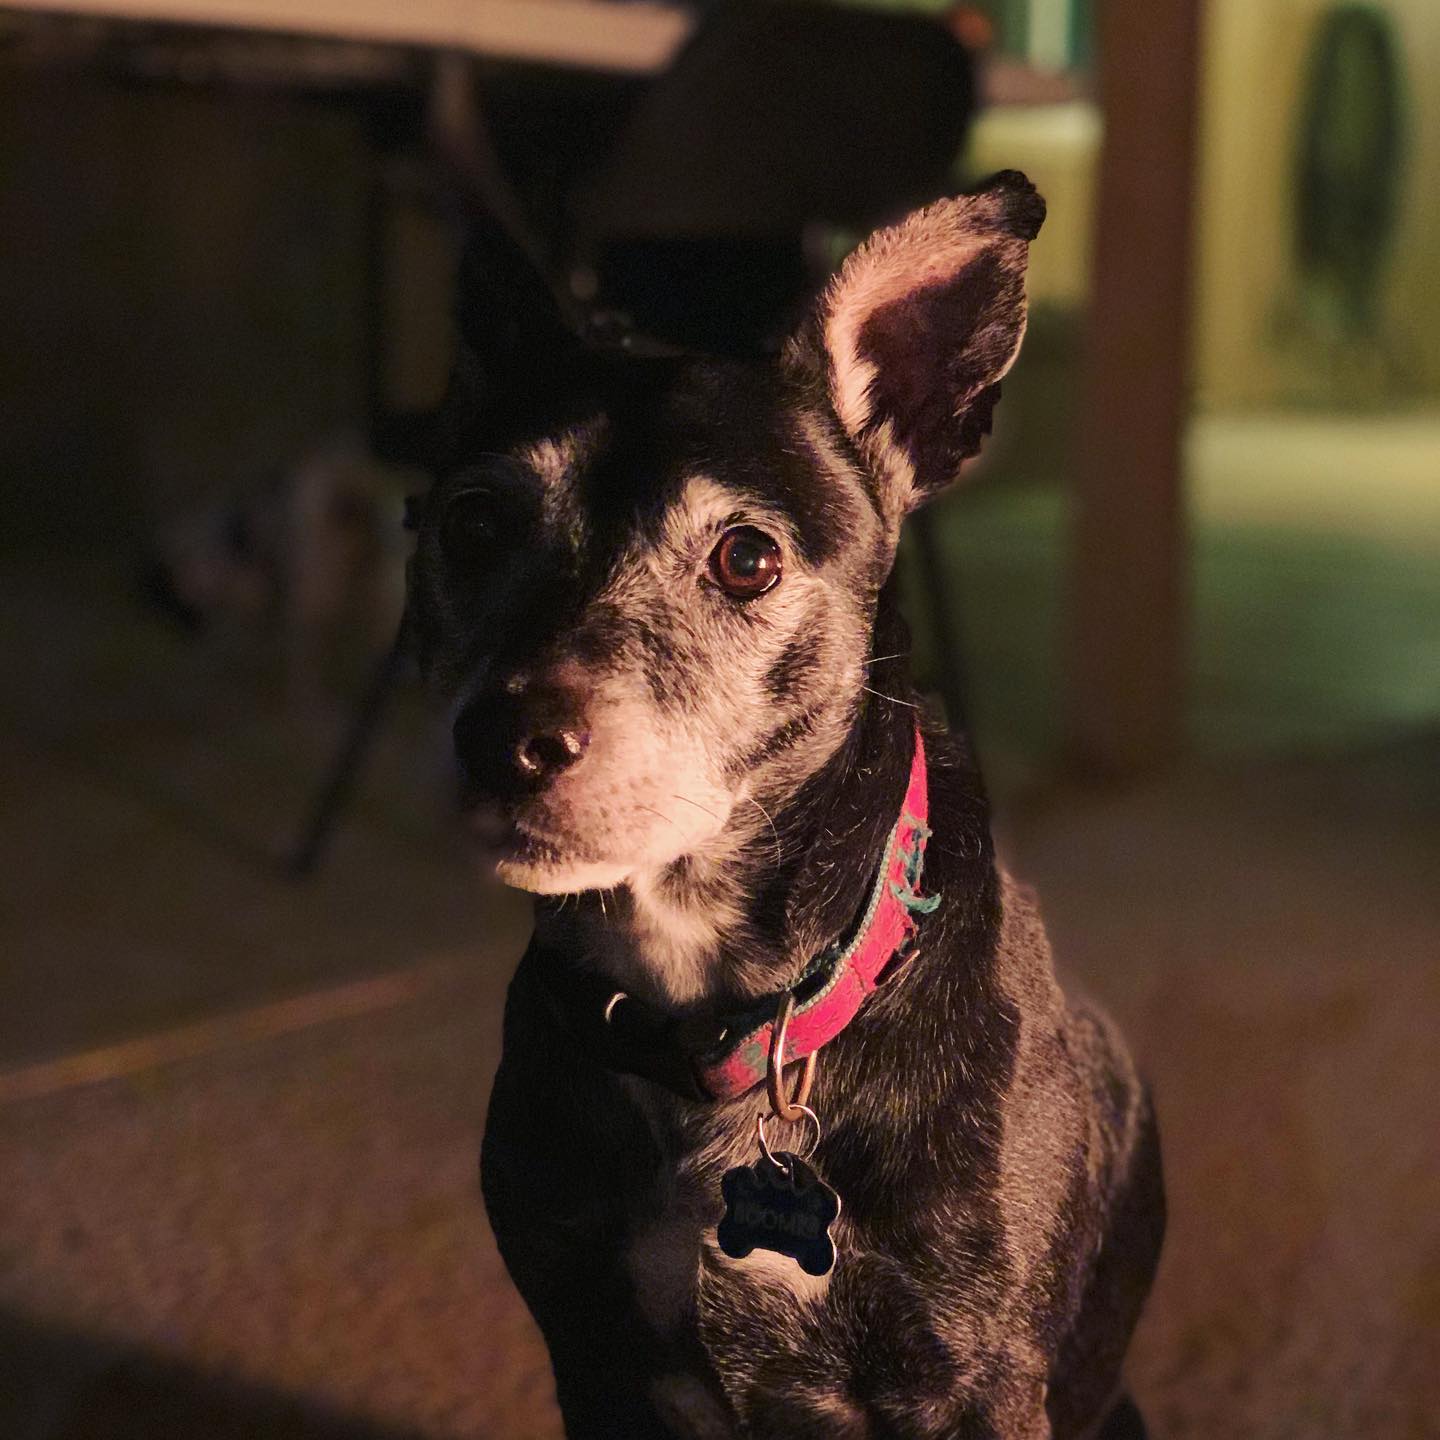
x=776 y=120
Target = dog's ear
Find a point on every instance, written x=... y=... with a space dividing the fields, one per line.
x=914 y=333
x=513 y=339
x=509 y=319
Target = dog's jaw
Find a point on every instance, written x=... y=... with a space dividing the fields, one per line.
x=545 y=862
x=527 y=861
x=661 y=931
x=559 y=877
x=714 y=923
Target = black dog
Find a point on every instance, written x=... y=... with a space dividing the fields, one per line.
x=658 y=590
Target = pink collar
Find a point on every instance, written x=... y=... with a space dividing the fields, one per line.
x=830 y=994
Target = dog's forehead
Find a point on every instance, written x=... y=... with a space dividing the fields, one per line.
x=630 y=446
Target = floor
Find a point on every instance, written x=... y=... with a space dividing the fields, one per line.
x=1267 y=934
x=239 y=1115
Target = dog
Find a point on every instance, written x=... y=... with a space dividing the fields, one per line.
x=656 y=589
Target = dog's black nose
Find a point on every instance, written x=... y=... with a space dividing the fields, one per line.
x=548 y=752
x=508 y=744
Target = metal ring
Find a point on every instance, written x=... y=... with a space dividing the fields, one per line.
x=806 y=1113
x=794 y=1107
x=612 y=1002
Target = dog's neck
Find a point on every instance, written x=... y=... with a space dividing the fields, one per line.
x=747 y=917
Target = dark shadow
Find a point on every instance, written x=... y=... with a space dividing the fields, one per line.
x=1124 y=1423
x=56 y=1384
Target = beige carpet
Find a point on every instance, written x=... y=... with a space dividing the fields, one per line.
x=1271 y=938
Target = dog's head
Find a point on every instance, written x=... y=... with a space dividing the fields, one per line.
x=649 y=584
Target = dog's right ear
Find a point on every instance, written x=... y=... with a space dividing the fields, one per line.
x=510 y=323
x=912 y=336
x=512 y=338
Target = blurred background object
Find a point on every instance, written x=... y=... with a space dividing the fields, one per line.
x=775 y=122
x=1351 y=155
x=1189 y=602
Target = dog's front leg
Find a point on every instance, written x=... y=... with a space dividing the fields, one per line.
x=553 y=1169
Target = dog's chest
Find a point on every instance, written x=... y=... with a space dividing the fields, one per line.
x=697 y=1298
x=686 y=1287
x=673 y=1260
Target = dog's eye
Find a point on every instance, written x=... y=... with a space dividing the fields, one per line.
x=470 y=527
x=746 y=562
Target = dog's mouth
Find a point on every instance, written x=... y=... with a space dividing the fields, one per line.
x=596 y=829
x=521 y=854
x=502 y=835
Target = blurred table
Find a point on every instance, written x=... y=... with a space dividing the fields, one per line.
x=633 y=38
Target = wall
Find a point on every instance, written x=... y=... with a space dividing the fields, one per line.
x=1255 y=57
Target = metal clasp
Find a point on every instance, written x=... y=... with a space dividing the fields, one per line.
x=795 y=1107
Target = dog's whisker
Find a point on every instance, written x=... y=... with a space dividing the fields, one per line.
x=685 y=800
x=779 y=853
x=909 y=704
x=660 y=814
x=876 y=659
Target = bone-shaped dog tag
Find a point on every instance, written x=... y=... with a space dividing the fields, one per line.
x=780 y=1205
